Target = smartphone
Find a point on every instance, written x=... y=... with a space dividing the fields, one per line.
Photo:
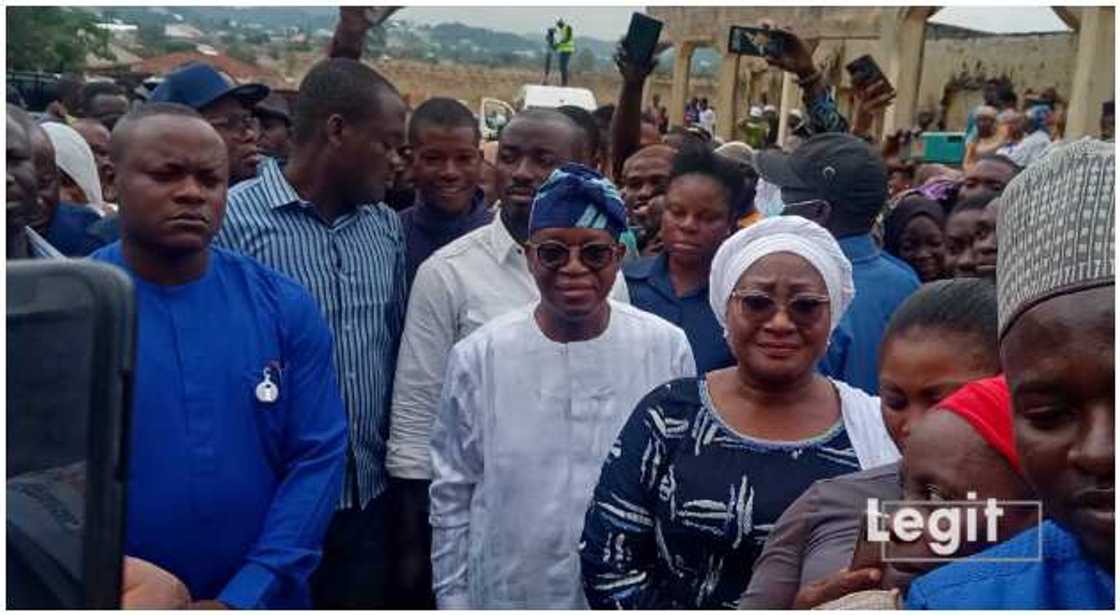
x=641 y=39
x=867 y=554
x=865 y=72
x=70 y=349
x=759 y=42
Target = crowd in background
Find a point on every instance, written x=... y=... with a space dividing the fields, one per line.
x=607 y=361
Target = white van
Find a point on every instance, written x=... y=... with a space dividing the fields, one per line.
x=552 y=96
x=493 y=114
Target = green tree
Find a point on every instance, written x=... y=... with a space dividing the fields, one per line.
x=54 y=38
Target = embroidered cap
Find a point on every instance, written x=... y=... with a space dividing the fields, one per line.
x=575 y=196
x=1055 y=228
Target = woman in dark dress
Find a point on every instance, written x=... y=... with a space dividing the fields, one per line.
x=705 y=466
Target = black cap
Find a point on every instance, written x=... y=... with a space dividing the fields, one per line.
x=198 y=85
x=275 y=106
x=834 y=167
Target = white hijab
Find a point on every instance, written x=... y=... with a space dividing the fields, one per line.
x=863 y=419
x=792 y=234
x=74 y=158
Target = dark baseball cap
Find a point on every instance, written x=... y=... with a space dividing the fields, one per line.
x=274 y=106
x=198 y=85
x=835 y=167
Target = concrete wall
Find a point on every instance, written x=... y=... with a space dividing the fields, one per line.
x=1032 y=62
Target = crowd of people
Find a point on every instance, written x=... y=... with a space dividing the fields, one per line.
x=602 y=363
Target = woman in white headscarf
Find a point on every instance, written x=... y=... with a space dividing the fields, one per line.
x=79 y=182
x=705 y=466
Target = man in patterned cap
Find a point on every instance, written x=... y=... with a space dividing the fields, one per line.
x=531 y=404
x=1056 y=282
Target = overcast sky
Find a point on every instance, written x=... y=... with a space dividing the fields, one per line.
x=609 y=23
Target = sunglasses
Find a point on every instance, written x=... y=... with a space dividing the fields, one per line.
x=804 y=309
x=555 y=254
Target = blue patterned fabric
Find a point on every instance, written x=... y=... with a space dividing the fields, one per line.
x=575 y=196
x=685 y=504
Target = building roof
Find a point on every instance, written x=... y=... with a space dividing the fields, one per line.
x=240 y=71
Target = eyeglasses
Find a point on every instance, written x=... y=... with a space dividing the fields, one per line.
x=803 y=309
x=238 y=124
x=555 y=254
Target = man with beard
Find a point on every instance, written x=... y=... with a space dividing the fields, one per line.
x=238 y=436
x=1056 y=288
x=482 y=275
x=645 y=178
x=321 y=220
x=227 y=106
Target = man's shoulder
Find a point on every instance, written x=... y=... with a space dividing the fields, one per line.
x=79 y=215
x=452 y=254
x=250 y=191
x=646 y=323
x=956 y=580
x=500 y=331
x=275 y=283
x=640 y=269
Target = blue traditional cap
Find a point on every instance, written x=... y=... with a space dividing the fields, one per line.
x=575 y=196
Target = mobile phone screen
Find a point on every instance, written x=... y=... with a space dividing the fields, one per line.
x=70 y=329
x=758 y=42
x=641 y=39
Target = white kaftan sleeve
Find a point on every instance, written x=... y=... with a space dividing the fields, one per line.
x=456 y=449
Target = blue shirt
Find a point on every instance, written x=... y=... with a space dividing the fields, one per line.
x=231 y=495
x=882 y=284
x=427 y=229
x=1064 y=578
x=651 y=290
x=71 y=230
x=354 y=267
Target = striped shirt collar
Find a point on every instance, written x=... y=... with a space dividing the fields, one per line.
x=279 y=192
x=40 y=248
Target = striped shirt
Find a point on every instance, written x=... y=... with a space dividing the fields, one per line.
x=355 y=269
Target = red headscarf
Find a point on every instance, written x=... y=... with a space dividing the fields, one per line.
x=986 y=405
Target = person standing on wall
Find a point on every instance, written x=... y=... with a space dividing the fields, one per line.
x=565 y=47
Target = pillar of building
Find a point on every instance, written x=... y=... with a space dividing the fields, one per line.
x=681 y=65
x=1094 y=75
x=901 y=44
x=727 y=100
x=791 y=93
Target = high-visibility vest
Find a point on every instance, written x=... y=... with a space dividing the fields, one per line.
x=566 y=44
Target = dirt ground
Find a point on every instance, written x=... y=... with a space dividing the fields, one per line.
x=418 y=81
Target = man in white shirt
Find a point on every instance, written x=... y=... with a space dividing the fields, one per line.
x=532 y=404
x=707 y=117
x=460 y=287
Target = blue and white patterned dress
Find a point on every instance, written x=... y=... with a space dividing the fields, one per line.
x=684 y=503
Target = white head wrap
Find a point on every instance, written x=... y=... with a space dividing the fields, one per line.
x=75 y=159
x=793 y=234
